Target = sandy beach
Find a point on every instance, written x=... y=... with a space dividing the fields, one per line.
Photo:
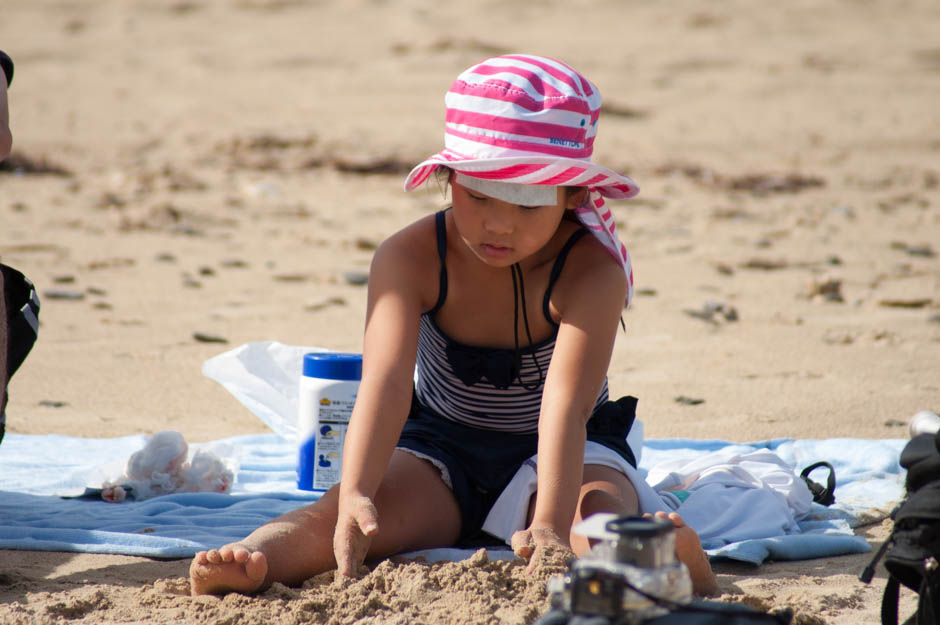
x=192 y=175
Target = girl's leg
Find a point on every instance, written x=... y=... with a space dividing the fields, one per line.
x=416 y=511
x=605 y=489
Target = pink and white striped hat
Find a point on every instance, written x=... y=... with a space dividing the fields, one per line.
x=531 y=120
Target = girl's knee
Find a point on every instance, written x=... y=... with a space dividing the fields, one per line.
x=600 y=497
x=595 y=500
x=605 y=489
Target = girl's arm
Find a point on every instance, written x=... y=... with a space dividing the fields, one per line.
x=590 y=302
x=384 y=397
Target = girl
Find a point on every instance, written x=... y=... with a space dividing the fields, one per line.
x=509 y=303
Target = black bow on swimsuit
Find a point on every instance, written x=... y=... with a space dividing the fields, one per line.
x=499 y=366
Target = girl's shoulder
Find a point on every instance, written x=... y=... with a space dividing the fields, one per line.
x=407 y=261
x=589 y=259
x=591 y=276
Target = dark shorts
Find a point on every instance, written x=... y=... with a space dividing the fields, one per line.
x=482 y=462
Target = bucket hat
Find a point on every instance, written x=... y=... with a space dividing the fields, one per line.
x=531 y=120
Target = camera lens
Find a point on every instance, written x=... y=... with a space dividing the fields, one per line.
x=646 y=542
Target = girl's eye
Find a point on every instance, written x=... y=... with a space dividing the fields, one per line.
x=478 y=198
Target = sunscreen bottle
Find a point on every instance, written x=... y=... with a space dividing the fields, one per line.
x=328 y=390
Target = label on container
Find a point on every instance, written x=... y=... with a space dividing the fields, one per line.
x=333 y=420
x=324 y=413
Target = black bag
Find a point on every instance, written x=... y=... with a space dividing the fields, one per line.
x=698 y=612
x=718 y=613
x=912 y=551
x=22 y=324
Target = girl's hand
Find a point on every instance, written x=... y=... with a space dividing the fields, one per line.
x=540 y=546
x=356 y=523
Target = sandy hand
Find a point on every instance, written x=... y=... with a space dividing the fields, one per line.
x=233 y=568
x=540 y=545
x=356 y=524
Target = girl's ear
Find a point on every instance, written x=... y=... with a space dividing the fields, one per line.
x=576 y=198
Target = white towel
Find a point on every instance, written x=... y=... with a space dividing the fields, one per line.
x=508 y=514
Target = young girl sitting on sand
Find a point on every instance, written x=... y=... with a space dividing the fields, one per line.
x=509 y=303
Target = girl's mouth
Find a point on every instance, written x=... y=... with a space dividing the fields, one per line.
x=495 y=251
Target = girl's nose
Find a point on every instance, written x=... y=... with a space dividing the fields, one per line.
x=497 y=218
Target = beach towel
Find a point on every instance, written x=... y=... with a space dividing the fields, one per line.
x=39 y=469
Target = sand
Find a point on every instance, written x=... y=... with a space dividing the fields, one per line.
x=187 y=173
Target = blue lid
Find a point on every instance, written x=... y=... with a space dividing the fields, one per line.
x=333 y=366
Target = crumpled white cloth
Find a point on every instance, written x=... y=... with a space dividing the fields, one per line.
x=727 y=496
x=165 y=466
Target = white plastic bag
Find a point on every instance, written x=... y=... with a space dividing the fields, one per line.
x=265 y=377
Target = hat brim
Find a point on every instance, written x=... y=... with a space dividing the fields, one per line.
x=541 y=170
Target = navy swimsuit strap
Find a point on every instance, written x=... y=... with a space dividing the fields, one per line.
x=556 y=271
x=442 y=254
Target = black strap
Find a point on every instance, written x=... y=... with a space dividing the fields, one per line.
x=869 y=572
x=889 y=606
x=889 y=602
x=7 y=64
x=518 y=294
x=928 y=605
x=824 y=495
x=441 y=226
x=556 y=271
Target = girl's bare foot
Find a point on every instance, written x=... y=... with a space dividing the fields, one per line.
x=233 y=568
x=689 y=551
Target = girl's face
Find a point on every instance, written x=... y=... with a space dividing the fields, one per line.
x=501 y=234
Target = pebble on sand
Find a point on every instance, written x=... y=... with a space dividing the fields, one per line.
x=204 y=337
